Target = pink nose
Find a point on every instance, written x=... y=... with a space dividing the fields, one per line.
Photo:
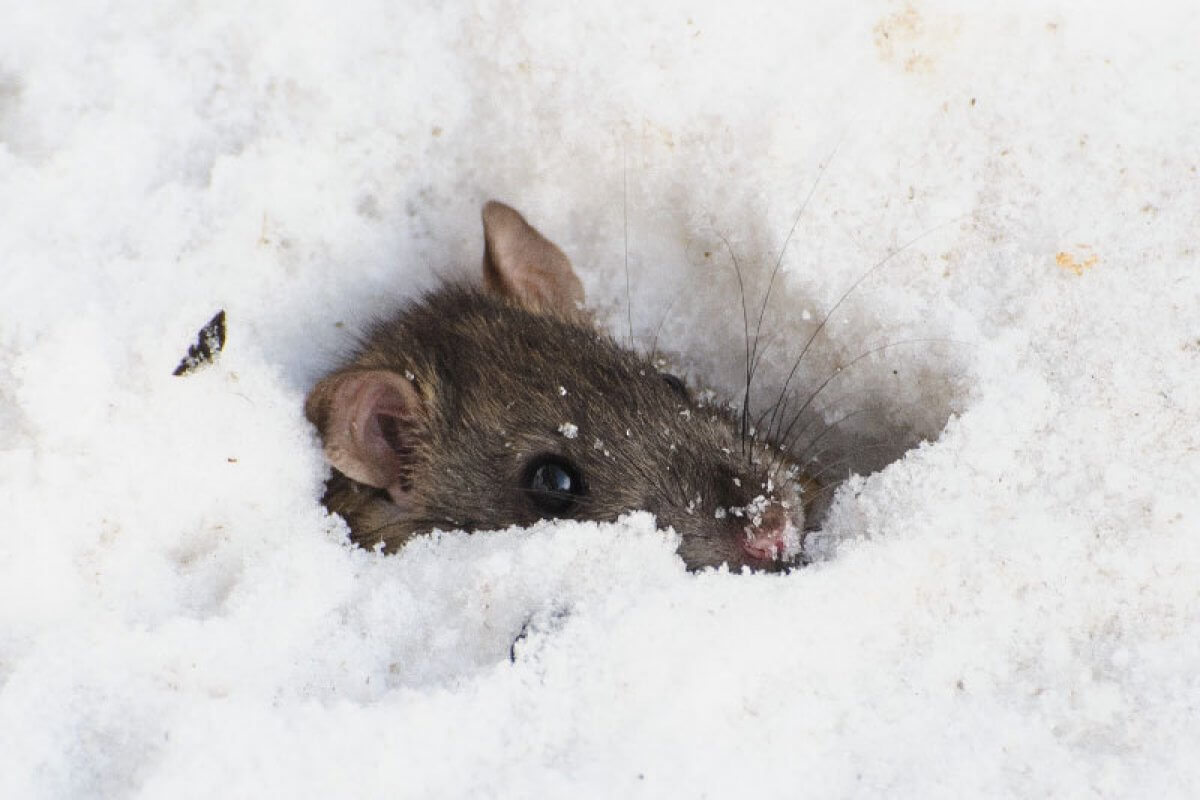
x=773 y=537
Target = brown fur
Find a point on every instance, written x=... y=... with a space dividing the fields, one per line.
x=479 y=382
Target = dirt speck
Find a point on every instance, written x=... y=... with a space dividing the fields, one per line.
x=1078 y=264
x=912 y=41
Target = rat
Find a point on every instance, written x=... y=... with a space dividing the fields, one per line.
x=482 y=407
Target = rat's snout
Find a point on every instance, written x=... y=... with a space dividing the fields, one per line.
x=773 y=530
x=744 y=514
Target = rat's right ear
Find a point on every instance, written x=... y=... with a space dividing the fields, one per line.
x=520 y=263
x=370 y=420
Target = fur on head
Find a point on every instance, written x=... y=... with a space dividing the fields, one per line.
x=480 y=408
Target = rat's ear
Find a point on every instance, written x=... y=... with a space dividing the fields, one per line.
x=520 y=263
x=370 y=421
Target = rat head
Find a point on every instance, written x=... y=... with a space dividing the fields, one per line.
x=484 y=408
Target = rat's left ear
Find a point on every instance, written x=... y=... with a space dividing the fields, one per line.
x=520 y=263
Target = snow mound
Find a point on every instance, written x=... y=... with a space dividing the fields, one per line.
x=1008 y=607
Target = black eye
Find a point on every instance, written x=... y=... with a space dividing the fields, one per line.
x=553 y=485
x=676 y=384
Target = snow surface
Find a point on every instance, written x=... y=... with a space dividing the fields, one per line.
x=1010 y=609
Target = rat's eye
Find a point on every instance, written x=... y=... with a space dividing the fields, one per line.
x=553 y=485
x=675 y=383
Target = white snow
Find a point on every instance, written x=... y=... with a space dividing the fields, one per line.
x=1012 y=608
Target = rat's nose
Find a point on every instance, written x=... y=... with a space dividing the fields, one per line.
x=771 y=534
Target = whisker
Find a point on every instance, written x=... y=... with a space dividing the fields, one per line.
x=625 y=221
x=762 y=309
x=786 y=433
x=737 y=268
x=658 y=330
x=898 y=441
x=829 y=428
x=844 y=461
x=846 y=294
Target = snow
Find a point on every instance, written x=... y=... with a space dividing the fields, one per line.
x=1011 y=607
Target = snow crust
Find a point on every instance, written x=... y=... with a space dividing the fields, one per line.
x=1009 y=608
